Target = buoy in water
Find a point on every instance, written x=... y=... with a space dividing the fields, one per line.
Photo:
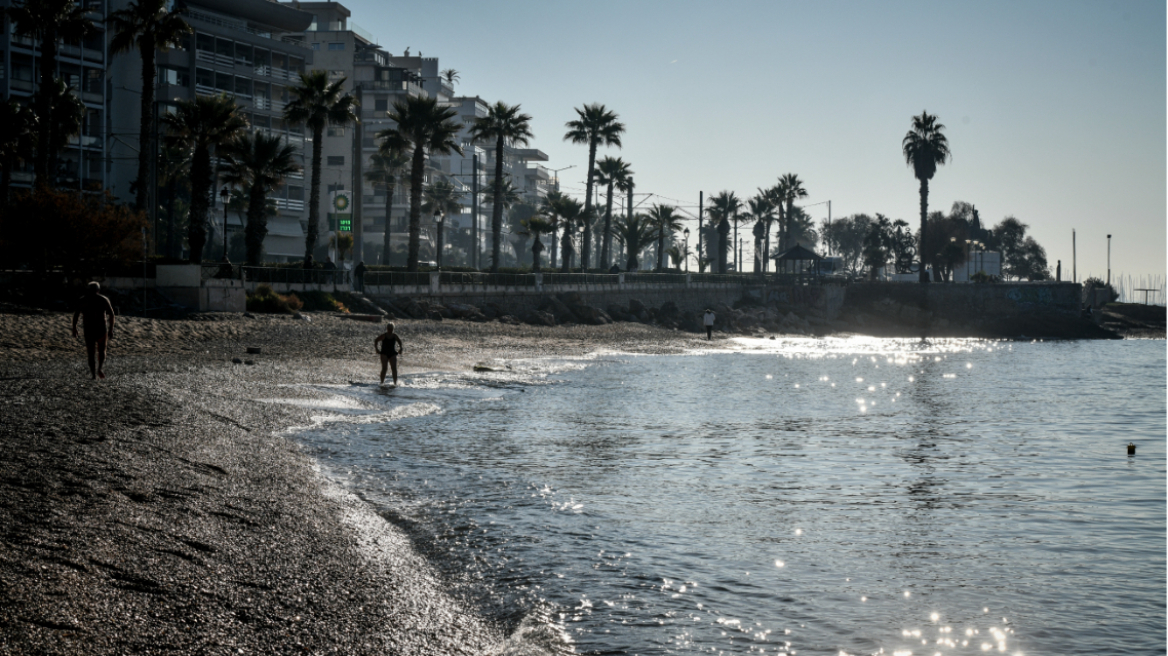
x=1131 y=448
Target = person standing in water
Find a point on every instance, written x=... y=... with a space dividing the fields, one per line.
x=390 y=347
x=95 y=308
x=708 y=322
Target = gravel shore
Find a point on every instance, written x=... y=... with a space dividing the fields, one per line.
x=162 y=511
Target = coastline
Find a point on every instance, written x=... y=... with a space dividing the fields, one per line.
x=163 y=511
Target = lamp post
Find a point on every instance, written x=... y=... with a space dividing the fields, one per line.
x=685 y=254
x=1108 y=260
x=439 y=220
x=968 y=244
x=225 y=194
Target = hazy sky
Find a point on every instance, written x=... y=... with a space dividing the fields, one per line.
x=1055 y=111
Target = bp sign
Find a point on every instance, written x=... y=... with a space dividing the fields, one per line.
x=341 y=218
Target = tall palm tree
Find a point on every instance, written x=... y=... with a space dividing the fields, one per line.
x=925 y=148
x=635 y=232
x=174 y=170
x=536 y=225
x=506 y=126
x=200 y=126
x=49 y=21
x=261 y=163
x=792 y=188
x=149 y=26
x=422 y=127
x=386 y=168
x=596 y=126
x=724 y=208
x=614 y=173
x=762 y=209
x=548 y=208
x=663 y=218
x=441 y=199
x=316 y=103
x=571 y=214
x=17 y=136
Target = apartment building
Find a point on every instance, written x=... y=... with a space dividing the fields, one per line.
x=241 y=48
x=85 y=162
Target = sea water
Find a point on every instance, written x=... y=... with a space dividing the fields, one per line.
x=805 y=496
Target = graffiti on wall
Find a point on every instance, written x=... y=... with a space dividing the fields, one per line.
x=1030 y=295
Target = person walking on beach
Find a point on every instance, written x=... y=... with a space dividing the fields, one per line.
x=390 y=347
x=708 y=322
x=359 y=277
x=95 y=308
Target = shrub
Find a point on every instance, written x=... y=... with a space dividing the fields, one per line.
x=265 y=299
x=322 y=302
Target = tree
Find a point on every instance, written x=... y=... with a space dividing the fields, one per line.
x=634 y=232
x=791 y=188
x=49 y=21
x=506 y=126
x=199 y=126
x=724 y=207
x=537 y=225
x=149 y=26
x=801 y=228
x=17 y=135
x=925 y=148
x=316 y=103
x=845 y=237
x=66 y=114
x=877 y=245
x=1022 y=256
x=450 y=76
x=614 y=173
x=569 y=213
x=442 y=199
x=595 y=126
x=676 y=255
x=422 y=127
x=549 y=209
x=762 y=209
x=663 y=218
x=92 y=233
x=386 y=168
x=261 y=163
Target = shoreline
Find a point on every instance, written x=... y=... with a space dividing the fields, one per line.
x=166 y=509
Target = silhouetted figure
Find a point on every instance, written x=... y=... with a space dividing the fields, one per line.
x=359 y=276
x=390 y=347
x=95 y=308
x=708 y=322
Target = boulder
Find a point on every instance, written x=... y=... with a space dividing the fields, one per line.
x=462 y=311
x=435 y=315
x=509 y=320
x=570 y=298
x=619 y=313
x=558 y=309
x=636 y=307
x=539 y=318
x=668 y=312
x=592 y=316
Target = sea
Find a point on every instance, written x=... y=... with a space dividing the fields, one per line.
x=835 y=496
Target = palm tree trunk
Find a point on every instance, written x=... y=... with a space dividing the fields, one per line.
x=606 y=247
x=586 y=242
x=146 y=129
x=497 y=208
x=536 y=249
x=200 y=192
x=44 y=162
x=734 y=247
x=171 y=190
x=417 y=175
x=555 y=247
x=660 y=248
x=313 y=232
x=566 y=250
x=924 y=275
x=257 y=228
x=766 y=249
x=385 y=241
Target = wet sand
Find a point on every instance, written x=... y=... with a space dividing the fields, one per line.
x=162 y=511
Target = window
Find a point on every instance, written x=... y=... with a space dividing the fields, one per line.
x=336 y=74
x=175 y=76
x=380 y=104
x=316 y=46
x=336 y=160
x=204 y=78
x=335 y=187
x=336 y=131
x=337 y=46
x=295 y=192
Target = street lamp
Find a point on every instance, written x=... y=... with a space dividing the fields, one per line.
x=1108 y=260
x=556 y=172
x=439 y=219
x=968 y=245
x=225 y=194
x=685 y=255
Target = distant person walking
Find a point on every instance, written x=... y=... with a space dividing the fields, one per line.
x=95 y=308
x=708 y=322
x=359 y=277
x=390 y=347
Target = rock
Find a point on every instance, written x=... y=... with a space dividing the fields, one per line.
x=636 y=307
x=435 y=315
x=446 y=312
x=461 y=311
x=668 y=312
x=249 y=315
x=255 y=350
x=414 y=309
x=558 y=309
x=540 y=318
x=249 y=362
x=619 y=313
x=509 y=320
x=591 y=315
x=236 y=361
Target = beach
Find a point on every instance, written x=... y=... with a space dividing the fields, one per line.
x=163 y=510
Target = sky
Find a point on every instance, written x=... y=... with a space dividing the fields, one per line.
x=1055 y=111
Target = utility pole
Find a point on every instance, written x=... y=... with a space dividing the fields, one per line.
x=474 y=210
x=1108 y=260
x=701 y=203
x=358 y=188
x=829 y=226
x=1074 y=259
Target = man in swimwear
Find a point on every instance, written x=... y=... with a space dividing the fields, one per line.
x=95 y=308
x=391 y=347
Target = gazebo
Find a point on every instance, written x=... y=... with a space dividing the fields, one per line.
x=800 y=254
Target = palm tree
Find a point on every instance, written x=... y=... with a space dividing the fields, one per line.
x=635 y=232
x=17 y=135
x=49 y=21
x=724 y=207
x=149 y=26
x=663 y=218
x=316 y=103
x=442 y=199
x=595 y=126
x=260 y=162
x=450 y=75
x=762 y=208
x=792 y=190
x=386 y=168
x=614 y=173
x=925 y=148
x=174 y=170
x=548 y=209
x=570 y=213
x=506 y=126
x=200 y=126
x=422 y=127
x=537 y=225
x=676 y=255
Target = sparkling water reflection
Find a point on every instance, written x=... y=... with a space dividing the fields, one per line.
x=854 y=496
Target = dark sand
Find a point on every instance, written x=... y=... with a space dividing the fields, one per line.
x=163 y=511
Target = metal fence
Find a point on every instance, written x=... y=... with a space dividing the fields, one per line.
x=295 y=276
x=379 y=278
